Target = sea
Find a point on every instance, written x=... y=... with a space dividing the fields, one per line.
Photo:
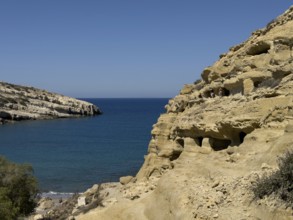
x=70 y=155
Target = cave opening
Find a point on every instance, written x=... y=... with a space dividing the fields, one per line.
x=223 y=92
x=176 y=152
x=175 y=155
x=219 y=144
x=259 y=48
x=198 y=140
x=226 y=92
x=180 y=141
x=242 y=136
x=256 y=84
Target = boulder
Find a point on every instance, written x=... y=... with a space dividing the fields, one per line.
x=46 y=203
x=81 y=201
x=125 y=179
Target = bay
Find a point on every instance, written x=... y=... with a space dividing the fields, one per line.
x=70 y=155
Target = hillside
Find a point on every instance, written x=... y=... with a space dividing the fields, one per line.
x=27 y=103
x=216 y=139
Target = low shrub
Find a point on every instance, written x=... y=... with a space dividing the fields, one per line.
x=18 y=190
x=279 y=183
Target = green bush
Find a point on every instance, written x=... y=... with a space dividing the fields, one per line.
x=18 y=190
x=279 y=183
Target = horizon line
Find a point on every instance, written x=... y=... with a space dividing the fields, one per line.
x=123 y=97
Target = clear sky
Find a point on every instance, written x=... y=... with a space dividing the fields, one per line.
x=122 y=48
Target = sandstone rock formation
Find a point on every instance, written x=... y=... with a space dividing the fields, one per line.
x=25 y=103
x=248 y=88
x=217 y=137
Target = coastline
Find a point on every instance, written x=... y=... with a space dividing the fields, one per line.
x=53 y=204
x=83 y=151
x=99 y=197
x=21 y=103
x=57 y=195
x=217 y=140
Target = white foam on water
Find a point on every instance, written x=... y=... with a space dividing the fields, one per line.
x=56 y=195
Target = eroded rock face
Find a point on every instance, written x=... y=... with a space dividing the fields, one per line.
x=218 y=137
x=236 y=96
x=26 y=103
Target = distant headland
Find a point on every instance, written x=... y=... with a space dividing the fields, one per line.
x=19 y=103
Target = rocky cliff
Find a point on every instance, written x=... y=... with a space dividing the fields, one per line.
x=249 y=88
x=26 y=103
x=216 y=139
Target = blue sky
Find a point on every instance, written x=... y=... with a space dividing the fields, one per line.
x=122 y=48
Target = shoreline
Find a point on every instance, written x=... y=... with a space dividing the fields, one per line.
x=101 y=196
x=52 y=204
x=58 y=195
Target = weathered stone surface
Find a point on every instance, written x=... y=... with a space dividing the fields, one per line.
x=81 y=201
x=237 y=96
x=38 y=217
x=45 y=203
x=218 y=137
x=26 y=103
x=125 y=179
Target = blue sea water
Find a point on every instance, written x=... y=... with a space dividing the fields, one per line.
x=70 y=155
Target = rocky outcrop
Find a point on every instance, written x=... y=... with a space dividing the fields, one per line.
x=217 y=138
x=25 y=103
x=248 y=88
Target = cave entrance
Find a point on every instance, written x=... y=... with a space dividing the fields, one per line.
x=176 y=153
x=224 y=92
x=242 y=136
x=180 y=141
x=198 y=141
x=256 y=84
x=259 y=48
x=219 y=144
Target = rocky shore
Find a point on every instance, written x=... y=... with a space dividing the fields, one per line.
x=216 y=139
x=19 y=103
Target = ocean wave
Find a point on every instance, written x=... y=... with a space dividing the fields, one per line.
x=57 y=195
